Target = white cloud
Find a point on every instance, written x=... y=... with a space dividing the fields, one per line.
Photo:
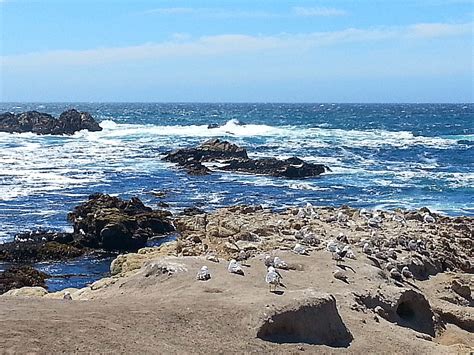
x=170 y=11
x=211 y=12
x=317 y=11
x=220 y=45
x=427 y=30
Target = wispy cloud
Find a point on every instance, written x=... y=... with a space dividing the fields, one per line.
x=181 y=45
x=170 y=11
x=233 y=13
x=317 y=11
x=210 y=12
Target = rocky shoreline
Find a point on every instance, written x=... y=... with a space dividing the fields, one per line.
x=408 y=274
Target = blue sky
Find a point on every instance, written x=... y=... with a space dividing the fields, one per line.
x=237 y=51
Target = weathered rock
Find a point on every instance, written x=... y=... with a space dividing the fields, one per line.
x=34 y=251
x=69 y=122
x=26 y=291
x=289 y=168
x=17 y=277
x=114 y=224
x=461 y=289
x=237 y=160
x=315 y=320
x=405 y=307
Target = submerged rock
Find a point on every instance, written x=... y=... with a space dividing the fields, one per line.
x=69 y=122
x=21 y=276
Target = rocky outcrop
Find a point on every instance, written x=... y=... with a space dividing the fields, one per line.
x=235 y=159
x=292 y=168
x=102 y=225
x=17 y=277
x=38 y=250
x=69 y=122
x=111 y=223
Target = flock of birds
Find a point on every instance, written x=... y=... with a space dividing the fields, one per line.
x=383 y=252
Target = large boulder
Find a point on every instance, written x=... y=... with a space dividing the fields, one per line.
x=69 y=122
x=111 y=223
x=17 y=277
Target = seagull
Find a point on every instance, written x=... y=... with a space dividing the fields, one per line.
x=341 y=217
x=412 y=245
x=407 y=273
x=273 y=278
x=67 y=296
x=342 y=238
x=331 y=246
x=390 y=266
x=427 y=218
x=279 y=264
x=235 y=268
x=395 y=274
x=399 y=219
x=299 y=249
x=374 y=222
x=339 y=255
x=203 y=274
x=367 y=249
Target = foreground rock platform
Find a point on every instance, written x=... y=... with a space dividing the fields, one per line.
x=234 y=158
x=154 y=292
x=68 y=123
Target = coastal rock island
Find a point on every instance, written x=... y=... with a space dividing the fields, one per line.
x=68 y=123
x=234 y=158
x=402 y=284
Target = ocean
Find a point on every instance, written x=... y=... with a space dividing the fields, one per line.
x=382 y=156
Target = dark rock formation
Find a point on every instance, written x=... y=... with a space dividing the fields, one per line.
x=69 y=122
x=237 y=160
x=289 y=168
x=114 y=224
x=16 y=277
x=102 y=225
x=35 y=251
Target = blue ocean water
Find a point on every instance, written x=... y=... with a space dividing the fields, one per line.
x=381 y=156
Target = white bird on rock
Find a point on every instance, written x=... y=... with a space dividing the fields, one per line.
x=427 y=218
x=235 y=268
x=273 y=278
x=203 y=274
x=67 y=296
x=299 y=249
x=407 y=273
x=279 y=263
x=367 y=249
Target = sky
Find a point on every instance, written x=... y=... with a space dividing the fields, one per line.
x=236 y=51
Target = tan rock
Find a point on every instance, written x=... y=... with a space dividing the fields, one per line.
x=27 y=292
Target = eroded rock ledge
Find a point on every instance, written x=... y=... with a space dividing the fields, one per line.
x=68 y=123
x=235 y=158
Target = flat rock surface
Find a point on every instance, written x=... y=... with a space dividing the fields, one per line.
x=157 y=305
